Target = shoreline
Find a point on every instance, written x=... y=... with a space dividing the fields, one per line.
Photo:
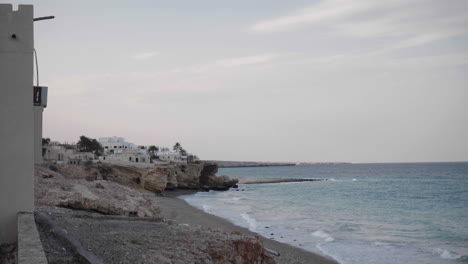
x=177 y=209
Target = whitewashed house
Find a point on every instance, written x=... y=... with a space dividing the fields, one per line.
x=115 y=145
x=61 y=154
x=171 y=156
x=119 y=151
x=127 y=157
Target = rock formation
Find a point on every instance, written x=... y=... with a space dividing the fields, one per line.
x=113 y=189
x=118 y=190
x=107 y=197
x=188 y=175
x=155 y=179
x=209 y=180
x=185 y=176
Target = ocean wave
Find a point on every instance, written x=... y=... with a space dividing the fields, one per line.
x=335 y=180
x=445 y=254
x=206 y=208
x=251 y=221
x=322 y=234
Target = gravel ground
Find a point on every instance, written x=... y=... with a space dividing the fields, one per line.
x=117 y=239
x=7 y=253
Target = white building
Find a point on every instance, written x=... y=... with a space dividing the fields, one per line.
x=115 y=145
x=61 y=154
x=167 y=155
x=127 y=157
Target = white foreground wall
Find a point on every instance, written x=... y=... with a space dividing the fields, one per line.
x=38 y=111
x=16 y=117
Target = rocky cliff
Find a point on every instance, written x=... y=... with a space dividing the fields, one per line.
x=185 y=176
x=103 y=196
x=114 y=189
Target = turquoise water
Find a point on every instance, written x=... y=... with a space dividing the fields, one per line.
x=363 y=213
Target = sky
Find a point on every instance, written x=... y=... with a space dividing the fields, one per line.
x=325 y=81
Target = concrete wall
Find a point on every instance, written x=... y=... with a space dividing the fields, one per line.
x=38 y=111
x=16 y=117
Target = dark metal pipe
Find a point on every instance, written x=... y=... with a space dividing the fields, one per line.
x=43 y=18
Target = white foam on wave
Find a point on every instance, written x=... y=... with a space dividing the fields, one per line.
x=325 y=236
x=380 y=243
x=235 y=198
x=359 y=252
x=445 y=254
x=251 y=221
x=335 y=180
x=205 y=208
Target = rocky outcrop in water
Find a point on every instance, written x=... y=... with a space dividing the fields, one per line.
x=209 y=180
x=186 y=176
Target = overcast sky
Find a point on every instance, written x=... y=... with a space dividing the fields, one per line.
x=328 y=80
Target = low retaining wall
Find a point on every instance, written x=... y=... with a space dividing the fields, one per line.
x=30 y=249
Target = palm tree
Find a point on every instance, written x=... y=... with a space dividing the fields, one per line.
x=45 y=141
x=153 y=149
x=177 y=147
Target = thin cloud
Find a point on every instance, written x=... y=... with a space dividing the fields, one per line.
x=407 y=23
x=144 y=55
x=327 y=10
x=246 y=60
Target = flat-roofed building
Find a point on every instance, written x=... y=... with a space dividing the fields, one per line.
x=115 y=144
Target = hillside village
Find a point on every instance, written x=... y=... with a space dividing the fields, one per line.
x=113 y=150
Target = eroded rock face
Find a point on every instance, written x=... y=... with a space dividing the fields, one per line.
x=128 y=176
x=155 y=179
x=172 y=182
x=103 y=196
x=209 y=180
x=188 y=176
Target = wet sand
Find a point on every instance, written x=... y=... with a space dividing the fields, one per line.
x=179 y=210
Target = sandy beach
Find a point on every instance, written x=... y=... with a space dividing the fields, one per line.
x=178 y=210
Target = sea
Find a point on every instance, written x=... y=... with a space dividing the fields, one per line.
x=362 y=213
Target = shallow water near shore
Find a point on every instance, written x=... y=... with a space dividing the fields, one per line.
x=364 y=213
